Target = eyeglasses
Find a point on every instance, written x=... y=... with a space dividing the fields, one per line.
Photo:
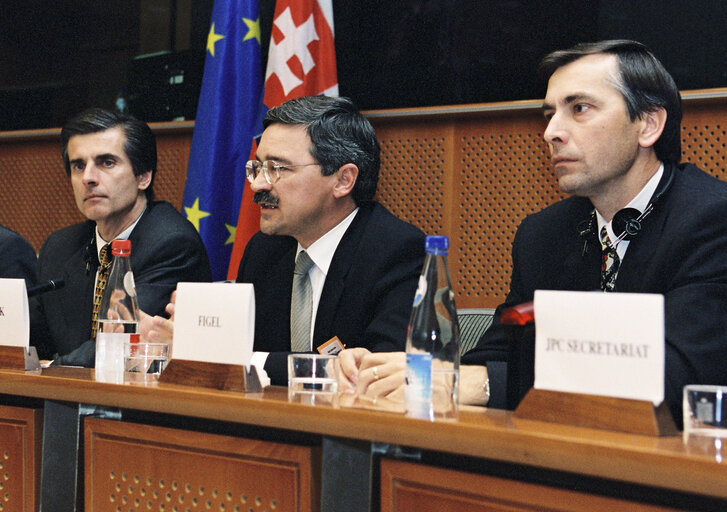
x=271 y=170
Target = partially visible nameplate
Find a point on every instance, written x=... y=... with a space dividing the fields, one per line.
x=608 y=344
x=14 y=313
x=214 y=322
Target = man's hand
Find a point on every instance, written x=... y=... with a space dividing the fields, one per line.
x=350 y=360
x=156 y=329
x=372 y=375
x=383 y=374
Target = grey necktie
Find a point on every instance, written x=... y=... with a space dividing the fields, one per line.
x=301 y=305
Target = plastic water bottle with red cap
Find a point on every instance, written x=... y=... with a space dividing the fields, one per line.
x=118 y=316
x=433 y=340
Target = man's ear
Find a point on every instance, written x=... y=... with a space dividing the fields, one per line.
x=652 y=126
x=144 y=180
x=347 y=175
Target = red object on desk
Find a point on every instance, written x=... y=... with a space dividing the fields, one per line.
x=522 y=314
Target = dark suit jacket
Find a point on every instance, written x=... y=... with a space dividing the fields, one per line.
x=17 y=257
x=681 y=253
x=165 y=249
x=366 y=298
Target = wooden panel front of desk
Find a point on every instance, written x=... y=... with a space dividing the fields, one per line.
x=129 y=466
x=407 y=486
x=20 y=450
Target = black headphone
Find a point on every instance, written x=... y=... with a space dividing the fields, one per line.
x=627 y=221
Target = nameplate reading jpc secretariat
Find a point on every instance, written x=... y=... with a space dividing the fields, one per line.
x=214 y=322
x=608 y=344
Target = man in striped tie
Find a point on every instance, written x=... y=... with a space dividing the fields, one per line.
x=329 y=261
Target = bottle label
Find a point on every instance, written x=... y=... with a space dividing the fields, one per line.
x=418 y=390
x=421 y=291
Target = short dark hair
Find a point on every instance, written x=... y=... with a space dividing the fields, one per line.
x=140 y=145
x=644 y=84
x=339 y=135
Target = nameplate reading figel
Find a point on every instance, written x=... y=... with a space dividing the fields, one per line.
x=214 y=322
x=608 y=344
x=14 y=313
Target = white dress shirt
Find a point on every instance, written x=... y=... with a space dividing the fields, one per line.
x=640 y=202
x=321 y=252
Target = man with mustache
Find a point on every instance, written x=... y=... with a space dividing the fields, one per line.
x=314 y=176
x=613 y=117
x=111 y=159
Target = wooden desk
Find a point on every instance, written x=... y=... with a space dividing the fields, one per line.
x=483 y=442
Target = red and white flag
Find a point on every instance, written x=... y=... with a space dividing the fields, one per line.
x=302 y=56
x=301 y=62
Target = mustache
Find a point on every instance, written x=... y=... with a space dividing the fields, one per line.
x=264 y=196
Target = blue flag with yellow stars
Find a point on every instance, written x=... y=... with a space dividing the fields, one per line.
x=228 y=119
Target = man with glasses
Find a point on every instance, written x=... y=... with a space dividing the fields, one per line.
x=315 y=187
x=328 y=261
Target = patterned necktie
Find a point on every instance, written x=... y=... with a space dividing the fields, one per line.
x=103 y=274
x=609 y=263
x=301 y=304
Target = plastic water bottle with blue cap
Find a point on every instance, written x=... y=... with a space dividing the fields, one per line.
x=433 y=340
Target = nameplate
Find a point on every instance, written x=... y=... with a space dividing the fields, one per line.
x=607 y=344
x=14 y=313
x=214 y=322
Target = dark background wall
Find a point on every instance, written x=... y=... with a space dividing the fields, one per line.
x=59 y=56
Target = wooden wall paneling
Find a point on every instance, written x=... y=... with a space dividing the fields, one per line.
x=490 y=169
x=130 y=466
x=704 y=136
x=173 y=144
x=35 y=197
x=414 y=177
x=470 y=172
x=20 y=454
x=503 y=175
x=409 y=486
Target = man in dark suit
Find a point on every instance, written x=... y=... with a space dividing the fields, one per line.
x=111 y=160
x=17 y=257
x=314 y=177
x=613 y=129
x=316 y=192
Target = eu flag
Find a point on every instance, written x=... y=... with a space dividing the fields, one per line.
x=228 y=119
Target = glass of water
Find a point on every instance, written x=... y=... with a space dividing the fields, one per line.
x=148 y=359
x=312 y=378
x=705 y=419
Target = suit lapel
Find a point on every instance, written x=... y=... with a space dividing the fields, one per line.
x=341 y=263
x=642 y=248
x=582 y=268
x=581 y=262
x=79 y=272
x=275 y=303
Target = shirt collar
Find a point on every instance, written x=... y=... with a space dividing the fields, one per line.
x=321 y=251
x=124 y=235
x=640 y=202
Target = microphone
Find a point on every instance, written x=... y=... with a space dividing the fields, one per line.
x=51 y=284
x=586 y=229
